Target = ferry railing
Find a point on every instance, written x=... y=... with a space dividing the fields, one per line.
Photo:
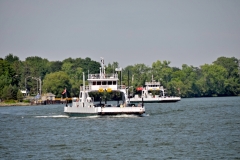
x=88 y=88
x=102 y=76
x=152 y=83
x=153 y=88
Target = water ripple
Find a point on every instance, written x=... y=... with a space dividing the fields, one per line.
x=198 y=128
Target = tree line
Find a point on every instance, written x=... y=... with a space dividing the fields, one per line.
x=221 y=78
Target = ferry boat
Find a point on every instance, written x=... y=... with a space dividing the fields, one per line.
x=85 y=104
x=148 y=97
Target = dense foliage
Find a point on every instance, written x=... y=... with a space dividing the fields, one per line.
x=221 y=78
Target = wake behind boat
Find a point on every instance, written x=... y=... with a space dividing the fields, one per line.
x=102 y=83
x=148 y=97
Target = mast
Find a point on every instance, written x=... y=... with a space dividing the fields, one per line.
x=128 y=78
x=102 y=68
x=128 y=87
x=83 y=95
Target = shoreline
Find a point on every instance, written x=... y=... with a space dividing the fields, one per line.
x=14 y=104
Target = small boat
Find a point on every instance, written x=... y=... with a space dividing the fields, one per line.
x=147 y=95
x=85 y=104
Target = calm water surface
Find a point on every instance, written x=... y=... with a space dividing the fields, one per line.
x=197 y=128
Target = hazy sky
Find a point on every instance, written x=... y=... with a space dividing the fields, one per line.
x=192 y=32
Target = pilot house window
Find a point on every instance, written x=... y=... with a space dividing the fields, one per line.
x=104 y=83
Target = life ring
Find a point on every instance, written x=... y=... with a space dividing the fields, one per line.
x=100 y=90
x=109 y=90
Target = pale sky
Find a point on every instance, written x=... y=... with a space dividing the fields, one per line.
x=192 y=32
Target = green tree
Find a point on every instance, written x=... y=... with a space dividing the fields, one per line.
x=212 y=80
x=8 y=92
x=6 y=69
x=7 y=80
x=162 y=72
x=232 y=80
x=38 y=66
x=34 y=67
x=55 y=66
x=230 y=64
x=67 y=68
x=11 y=58
x=19 y=96
x=56 y=82
x=140 y=74
x=15 y=67
x=110 y=68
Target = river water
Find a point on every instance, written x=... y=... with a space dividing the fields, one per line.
x=196 y=128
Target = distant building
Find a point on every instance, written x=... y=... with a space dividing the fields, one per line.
x=24 y=92
x=48 y=96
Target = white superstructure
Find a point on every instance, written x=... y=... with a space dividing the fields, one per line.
x=147 y=95
x=102 y=82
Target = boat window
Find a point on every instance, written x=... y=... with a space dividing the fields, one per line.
x=99 y=83
x=109 y=82
x=114 y=82
x=94 y=83
x=104 y=83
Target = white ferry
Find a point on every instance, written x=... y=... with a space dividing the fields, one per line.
x=102 y=82
x=147 y=95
